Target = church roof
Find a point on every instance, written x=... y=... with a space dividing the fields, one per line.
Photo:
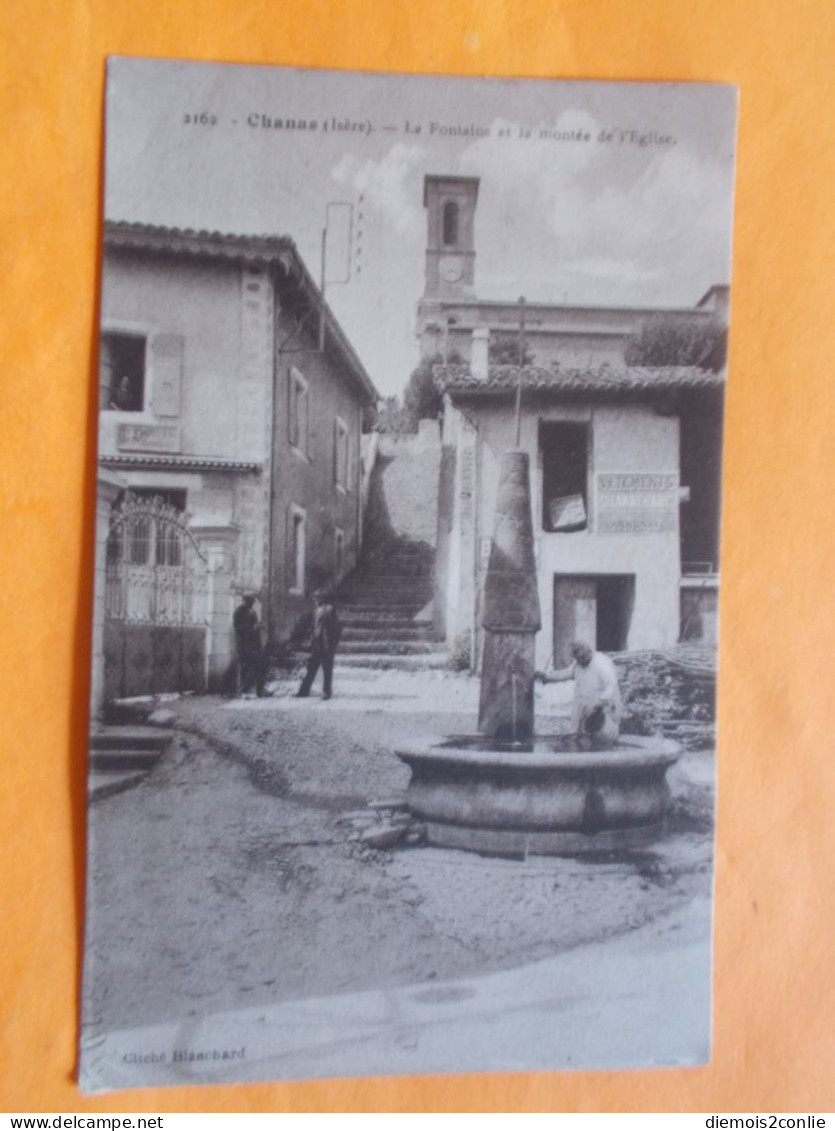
x=594 y=379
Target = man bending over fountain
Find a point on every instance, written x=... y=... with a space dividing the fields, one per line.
x=596 y=707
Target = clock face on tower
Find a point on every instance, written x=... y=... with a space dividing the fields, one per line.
x=451 y=268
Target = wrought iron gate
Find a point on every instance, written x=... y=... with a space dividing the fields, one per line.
x=156 y=602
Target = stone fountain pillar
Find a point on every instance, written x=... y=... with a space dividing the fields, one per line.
x=511 y=615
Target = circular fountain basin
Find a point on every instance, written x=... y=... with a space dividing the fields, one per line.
x=551 y=797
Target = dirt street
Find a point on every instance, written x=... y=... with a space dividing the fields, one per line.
x=230 y=877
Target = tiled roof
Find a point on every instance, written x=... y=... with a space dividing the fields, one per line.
x=185 y=241
x=601 y=378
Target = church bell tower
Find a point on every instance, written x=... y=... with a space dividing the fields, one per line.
x=450 y=244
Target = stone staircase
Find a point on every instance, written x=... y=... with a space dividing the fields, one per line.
x=123 y=756
x=386 y=609
x=386 y=603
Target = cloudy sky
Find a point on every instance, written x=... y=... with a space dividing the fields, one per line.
x=626 y=200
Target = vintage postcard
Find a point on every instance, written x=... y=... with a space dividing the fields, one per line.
x=407 y=574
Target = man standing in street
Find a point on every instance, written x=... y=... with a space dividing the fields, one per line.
x=250 y=649
x=327 y=629
x=596 y=707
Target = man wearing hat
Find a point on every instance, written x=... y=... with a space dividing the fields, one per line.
x=327 y=629
x=250 y=649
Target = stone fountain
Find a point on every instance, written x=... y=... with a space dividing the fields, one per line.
x=505 y=790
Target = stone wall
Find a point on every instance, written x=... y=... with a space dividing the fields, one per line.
x=305 y=482
x=408 y=471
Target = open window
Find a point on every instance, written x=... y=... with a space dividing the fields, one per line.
x=565 y=473
x=122 y=363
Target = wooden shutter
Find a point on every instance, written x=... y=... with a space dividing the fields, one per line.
x=167 y=371
x=105 y=371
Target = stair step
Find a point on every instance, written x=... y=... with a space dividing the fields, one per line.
x=405 y=609
x=382 y=621
x=388 y=647
x=411 y=603
x=411 y=589
x=407 y=555
x=392 y=574
x=130 y=738
x=106 y=783
x=384 y=569
x=385 y=631
x=386 y=572
x=385 y=662
x=124 y=759
x=388 y=588
x=363 y=601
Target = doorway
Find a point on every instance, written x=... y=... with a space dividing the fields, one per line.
x=594 y=608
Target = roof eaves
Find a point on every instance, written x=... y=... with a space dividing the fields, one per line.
x=180 y=463
x=190 y=241
x=532 y=306
x=604 y=379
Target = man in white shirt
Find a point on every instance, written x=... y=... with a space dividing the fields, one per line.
x=596 y=707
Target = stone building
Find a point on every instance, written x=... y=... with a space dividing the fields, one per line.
x=231 y=408
x=625 y=459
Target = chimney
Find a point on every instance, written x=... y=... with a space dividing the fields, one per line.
x=479 y=353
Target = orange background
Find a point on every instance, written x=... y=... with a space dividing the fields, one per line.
x=774 y=1043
